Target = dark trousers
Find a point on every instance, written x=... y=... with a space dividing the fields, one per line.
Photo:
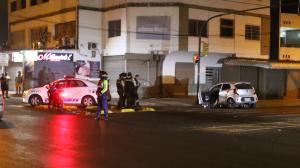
x=102 y=103
x=121 y=102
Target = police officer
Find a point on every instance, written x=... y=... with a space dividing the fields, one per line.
x=51 y=90
x=121 y=90
x=102 y=93
x=129 y=90
x=137 y=84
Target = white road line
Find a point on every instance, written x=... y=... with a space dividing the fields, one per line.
x=240 y=128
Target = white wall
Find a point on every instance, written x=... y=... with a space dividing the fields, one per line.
x=115 y=45
x=91 y=3
x=145 y=46
x=236 y=4
x=171 y=59
x=90 y=30
x=238 y=45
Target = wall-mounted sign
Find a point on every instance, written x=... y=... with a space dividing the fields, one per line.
x=17 y=57
x=153 y=27
x=49 y=56
x=4 y=59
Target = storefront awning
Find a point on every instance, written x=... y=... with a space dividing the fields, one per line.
x=267 y=64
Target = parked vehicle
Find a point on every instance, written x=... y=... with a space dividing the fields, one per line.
x=234 y=94
x=77 y=92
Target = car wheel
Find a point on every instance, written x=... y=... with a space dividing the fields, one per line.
x=87 y=101
x=252 y=105
x=35 y=100
x=230 y=103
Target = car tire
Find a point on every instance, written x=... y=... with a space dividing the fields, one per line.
x=35 y=100
x=252 y=105
x=87 y=101
x=230 y=103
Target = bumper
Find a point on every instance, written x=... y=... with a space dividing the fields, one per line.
x=246 y=100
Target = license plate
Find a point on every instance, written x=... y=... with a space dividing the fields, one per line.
x=247 y=99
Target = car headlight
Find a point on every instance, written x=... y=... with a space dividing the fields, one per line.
x=25 y=92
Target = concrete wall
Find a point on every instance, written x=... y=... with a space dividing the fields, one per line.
x=41 y=9
x=148 y=45
x=115 y=45
x=90 y=30
x=293 y=84
x=238 y=5
x=48 y=21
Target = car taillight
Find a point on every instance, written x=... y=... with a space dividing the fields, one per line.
x=235 y=91
x=63 y=94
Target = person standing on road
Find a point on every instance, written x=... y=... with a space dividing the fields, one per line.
x=7 y=83
x=3 y=84
x=19 y=82
x=121 y=90
x=129 y=90
x=50 y=93
x=102 y=95
x=137 y=84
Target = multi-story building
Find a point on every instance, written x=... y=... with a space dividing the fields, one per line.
x=4 y=26
x=155 y=39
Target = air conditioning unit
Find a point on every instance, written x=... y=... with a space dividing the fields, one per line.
x=92 y=46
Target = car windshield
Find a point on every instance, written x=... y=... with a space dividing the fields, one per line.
x=243 y=86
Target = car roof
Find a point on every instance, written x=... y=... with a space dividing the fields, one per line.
x=234 y=83
x=88 y=83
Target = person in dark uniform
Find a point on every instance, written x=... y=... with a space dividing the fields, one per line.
x=137 y=84
x=50 y=92
x=129 y=90
x=121 y=90
x=3 y=82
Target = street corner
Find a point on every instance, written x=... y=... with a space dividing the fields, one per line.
x=116 y=109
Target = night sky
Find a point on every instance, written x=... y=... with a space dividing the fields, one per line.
x=3 y=21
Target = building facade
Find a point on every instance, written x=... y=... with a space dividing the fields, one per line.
x=156 y=39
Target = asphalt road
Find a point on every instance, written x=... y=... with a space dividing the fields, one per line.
x=168 y=138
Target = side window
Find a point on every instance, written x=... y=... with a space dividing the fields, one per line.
x=80 y=84
x=71 y=83
x=60 y=84
x=226 y=86
x=216 y=88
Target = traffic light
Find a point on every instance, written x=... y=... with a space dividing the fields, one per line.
x=204 y=52
x=196 y=58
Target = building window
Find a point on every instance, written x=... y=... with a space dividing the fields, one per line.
x=290 y=38
x=227 y=28
x=195 y=28
x=114 y=28
x=17 y=5
x=39 y=37
x=37 y=2
x=252 y=32
x=13 y=6
x=65 y=34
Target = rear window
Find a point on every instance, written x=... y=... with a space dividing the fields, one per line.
x=243 y=86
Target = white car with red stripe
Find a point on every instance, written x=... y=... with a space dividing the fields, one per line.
x=75 y=91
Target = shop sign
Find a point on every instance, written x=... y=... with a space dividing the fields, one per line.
x=4 y=59
x=49 y=56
